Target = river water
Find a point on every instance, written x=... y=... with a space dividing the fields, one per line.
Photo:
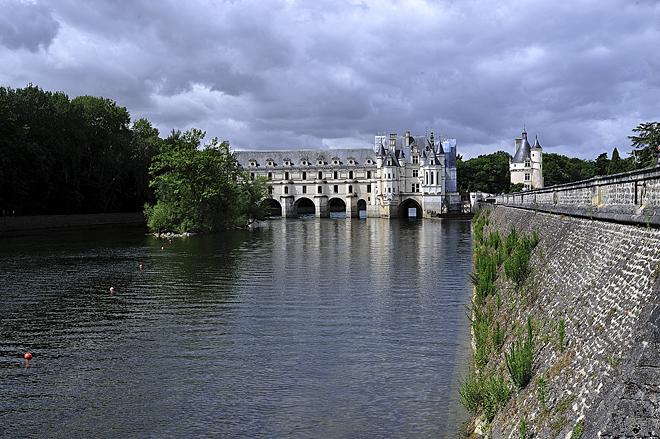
x=304 y=328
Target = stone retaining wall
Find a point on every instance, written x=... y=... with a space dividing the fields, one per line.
x=603 y=279
x=10 y=224
x=630 y=197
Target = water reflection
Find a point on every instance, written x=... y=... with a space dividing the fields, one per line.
x=306 y=328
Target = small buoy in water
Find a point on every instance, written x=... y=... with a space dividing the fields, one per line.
x=112 y=290
x=162 y=248
x=141 y=266
x=28 y=357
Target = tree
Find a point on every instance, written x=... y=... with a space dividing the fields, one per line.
x=616 y=164
x=602 y=164
x=559 y=169
x=486 y=173
x=200 y=189
x=646 y=143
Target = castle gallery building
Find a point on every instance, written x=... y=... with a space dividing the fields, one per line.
x=402 y=176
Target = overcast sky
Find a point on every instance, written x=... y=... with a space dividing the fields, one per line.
x=308 y=74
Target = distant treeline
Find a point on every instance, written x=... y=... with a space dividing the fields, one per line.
x=490 y=173
x=65 y=156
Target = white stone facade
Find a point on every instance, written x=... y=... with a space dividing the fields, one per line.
x=526 y=166
x=402 y=173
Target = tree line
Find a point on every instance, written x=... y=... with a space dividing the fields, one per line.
x=85 y=155
x=67 y=156
x=490 y=172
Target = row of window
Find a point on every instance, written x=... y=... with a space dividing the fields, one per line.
x=319 y=189
x=335 y=175
x=336 y=162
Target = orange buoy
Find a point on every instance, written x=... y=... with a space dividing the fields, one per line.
x=28 y=357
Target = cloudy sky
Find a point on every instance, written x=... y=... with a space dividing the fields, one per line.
x=292 y=73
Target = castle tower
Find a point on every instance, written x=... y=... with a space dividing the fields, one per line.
x=526 y=164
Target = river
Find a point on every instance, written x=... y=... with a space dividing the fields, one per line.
x=313 y=328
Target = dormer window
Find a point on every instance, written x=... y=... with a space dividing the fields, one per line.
x=253 y=163
x=304 y=163
x=320 y=163
x=528 y=163
x=287 y=163
x=389 y=162
x=415 y=159
x=369 y=161
x=270 y=162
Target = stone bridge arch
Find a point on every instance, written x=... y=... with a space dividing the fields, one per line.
x=274 y=208
x=407 y=204
x=304 y=206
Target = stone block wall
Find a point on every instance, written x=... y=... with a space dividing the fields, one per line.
x=603 y=280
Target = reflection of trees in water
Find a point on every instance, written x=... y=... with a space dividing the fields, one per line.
x=203 y=267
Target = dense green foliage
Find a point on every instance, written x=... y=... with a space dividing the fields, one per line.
x=61 y=155
x=201 y=189
x=646 y=142
x=486 y=173
x=559 y=169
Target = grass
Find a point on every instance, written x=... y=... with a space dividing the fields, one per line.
x=519 y=250
x=561 y=335
x=484 y=392
x=523 y=429
x=542 y=392
x=520 y=359
x=578 y=430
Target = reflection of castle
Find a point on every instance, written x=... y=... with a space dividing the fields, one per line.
x=526 y=164
x=402 y=173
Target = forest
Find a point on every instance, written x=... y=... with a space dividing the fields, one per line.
x=66 y=156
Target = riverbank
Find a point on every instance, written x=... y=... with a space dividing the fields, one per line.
x=12 y=225
x=591 y=306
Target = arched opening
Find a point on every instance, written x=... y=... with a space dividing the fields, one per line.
x=304 y=207
x=362 y=209
x=410 y=209
x=274 y=208
x=337 y=208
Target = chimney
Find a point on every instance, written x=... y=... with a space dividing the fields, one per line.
x=393 y=141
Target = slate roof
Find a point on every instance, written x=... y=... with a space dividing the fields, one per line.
x=524 y=152
x=312 y=156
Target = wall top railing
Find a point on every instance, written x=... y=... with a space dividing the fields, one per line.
x=630 y=197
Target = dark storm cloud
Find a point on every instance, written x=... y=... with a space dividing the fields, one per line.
x=26 y=25
x=287 y=73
